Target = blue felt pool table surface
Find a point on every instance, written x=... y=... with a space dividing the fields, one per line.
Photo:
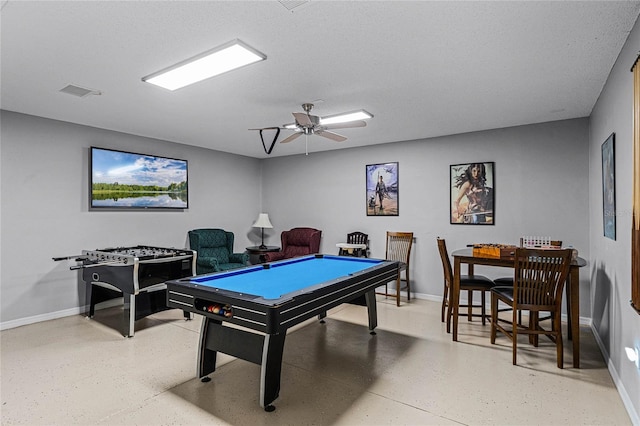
x=285 y=277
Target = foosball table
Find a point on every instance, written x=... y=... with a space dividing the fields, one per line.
x=138 y=274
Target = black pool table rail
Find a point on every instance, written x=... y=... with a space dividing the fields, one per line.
x=274 y=316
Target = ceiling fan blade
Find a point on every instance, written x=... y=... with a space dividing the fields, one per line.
x=302 y=119
x=347 y=125
x=333 y=136
x=290 y=138
x=266 y=128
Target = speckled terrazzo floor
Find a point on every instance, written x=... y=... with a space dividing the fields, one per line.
x=79 y=371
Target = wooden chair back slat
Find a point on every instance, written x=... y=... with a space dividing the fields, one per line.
x=399 y=246
x=540 y=276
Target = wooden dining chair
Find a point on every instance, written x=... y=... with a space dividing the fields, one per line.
x=470 y=283
x=398 y=248
x=539 y=278
x=508 y=282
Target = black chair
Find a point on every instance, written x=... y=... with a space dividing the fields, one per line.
x=470 y=283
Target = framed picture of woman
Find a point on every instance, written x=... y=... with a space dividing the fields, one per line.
x=472 y=194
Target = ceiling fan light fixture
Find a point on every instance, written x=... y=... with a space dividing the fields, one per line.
x=229 y=56
x=345 y=117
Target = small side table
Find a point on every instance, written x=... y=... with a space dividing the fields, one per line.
x=348 y=249
x=256 y=254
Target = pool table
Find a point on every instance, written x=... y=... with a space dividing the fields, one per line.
x=269 y=299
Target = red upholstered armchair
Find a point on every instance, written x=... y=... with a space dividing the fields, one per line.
x=296 y=242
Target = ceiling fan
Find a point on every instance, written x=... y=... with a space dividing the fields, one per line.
x=307 y=124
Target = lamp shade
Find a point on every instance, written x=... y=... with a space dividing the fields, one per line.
x=263 y=221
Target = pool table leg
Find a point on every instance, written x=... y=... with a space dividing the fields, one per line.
x=271 y=368
x=206 y=357
x=372 y=310
x=264 y=350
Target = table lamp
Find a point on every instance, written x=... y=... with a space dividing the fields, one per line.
x=263 y=222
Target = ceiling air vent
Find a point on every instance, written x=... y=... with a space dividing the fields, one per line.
x=78 y=91
x=292 y=4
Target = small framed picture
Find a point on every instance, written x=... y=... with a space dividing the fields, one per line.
x=609 y=187
x=472 y=194
x=382 y=189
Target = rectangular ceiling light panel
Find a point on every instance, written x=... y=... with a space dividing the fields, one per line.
x=219 y=60
x=345 y=117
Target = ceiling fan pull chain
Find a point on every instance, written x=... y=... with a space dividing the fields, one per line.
x=306 y=145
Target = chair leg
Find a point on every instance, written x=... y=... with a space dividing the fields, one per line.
x=470 y=307
x=494 y=317
x=514 y=335
x=558 y=335
x=449 y=314
x=398 y=285
x=444 y=301
x=483 y=309
x=534 y=321
x=408 y=285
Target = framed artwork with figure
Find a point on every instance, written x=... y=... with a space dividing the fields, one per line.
x=609 y=187
x=472 y=194
x=382 y=189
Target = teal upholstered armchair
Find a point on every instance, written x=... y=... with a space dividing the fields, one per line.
x=215 y=251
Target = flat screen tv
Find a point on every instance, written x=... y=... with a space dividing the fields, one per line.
x=126 y=180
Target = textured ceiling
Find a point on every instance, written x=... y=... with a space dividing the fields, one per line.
x=423 y=68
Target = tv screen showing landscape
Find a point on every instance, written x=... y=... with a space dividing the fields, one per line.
x=128 y=180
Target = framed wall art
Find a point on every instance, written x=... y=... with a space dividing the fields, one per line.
x=609 y=187
x=472 y=194
x=382 y=189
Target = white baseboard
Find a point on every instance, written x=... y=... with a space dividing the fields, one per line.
x=626 y=400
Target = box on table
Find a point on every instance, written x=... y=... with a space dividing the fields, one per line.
x=494 y=250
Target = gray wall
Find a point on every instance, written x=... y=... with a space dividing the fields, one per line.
x=541 y=188
x=615 y=323
x=540 y=175
x=44 y=187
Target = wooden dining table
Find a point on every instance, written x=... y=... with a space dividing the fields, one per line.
x=572 y=287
